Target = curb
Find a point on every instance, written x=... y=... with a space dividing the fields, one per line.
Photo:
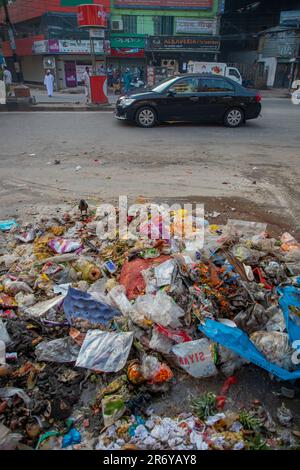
x=5 y=108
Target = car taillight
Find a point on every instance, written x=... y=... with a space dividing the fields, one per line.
x=258 y=98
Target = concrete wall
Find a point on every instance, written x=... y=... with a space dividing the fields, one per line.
x=243 y=57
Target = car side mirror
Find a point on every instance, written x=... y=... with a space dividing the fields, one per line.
x=171 y=93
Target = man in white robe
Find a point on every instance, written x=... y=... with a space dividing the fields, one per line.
x=87 y=84
x=49 y=82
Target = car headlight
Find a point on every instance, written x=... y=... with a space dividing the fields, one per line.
x=127 y=102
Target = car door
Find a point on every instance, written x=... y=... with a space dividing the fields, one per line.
x=216 y=96
x=180 y=101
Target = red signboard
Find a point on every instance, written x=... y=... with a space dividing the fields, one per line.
x=91 y=16
x=128 y=53
x=166 y=4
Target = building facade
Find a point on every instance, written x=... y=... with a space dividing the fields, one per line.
x=47 y=37
x=165 y=34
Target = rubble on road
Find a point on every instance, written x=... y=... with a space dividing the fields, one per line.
x=92 y=330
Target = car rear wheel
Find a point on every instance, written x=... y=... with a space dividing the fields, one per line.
x=234 y=117
x=146 y=117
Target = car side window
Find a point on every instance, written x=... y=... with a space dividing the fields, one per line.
x=234 y=73
x=185 y=86
x=215 y=85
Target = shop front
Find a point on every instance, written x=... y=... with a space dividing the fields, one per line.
x=128 y=52
x=168 y=55
x=67 y=59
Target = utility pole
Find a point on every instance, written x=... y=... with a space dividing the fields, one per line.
x=11 y=37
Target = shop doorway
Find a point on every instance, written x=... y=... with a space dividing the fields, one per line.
x=282 y=76
x=70 y=74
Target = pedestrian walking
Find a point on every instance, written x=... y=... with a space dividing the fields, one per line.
x=110 y=76
x=7 y=76
x=127 y=78
x=87 y=84
x=49 y=82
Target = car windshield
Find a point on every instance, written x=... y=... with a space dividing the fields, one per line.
x=162 y=86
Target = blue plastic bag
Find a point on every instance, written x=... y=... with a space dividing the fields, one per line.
x=6 y=225
x=78 y=304
x=290 y=297
x=71 y=438
x=236 y=340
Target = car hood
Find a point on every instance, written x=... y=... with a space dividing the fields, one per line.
x=144 y=95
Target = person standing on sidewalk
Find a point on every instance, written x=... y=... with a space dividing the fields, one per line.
x=48 y=82
x=7 y=76
x=87 y=84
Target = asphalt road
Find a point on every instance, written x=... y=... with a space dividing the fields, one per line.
x=250 y=170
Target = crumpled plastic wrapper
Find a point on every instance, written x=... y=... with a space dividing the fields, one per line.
x=59 y=350
x=275 y=346
x=104 y=351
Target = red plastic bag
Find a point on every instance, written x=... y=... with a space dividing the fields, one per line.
x=179 y=336
x=131 y=277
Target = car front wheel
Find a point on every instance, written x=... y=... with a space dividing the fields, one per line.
x=234 y=117
x=146 y=117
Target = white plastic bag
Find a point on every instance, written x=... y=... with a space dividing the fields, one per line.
x=104 y=351
x=160 y=308
x=4 y=336
x=195 y=358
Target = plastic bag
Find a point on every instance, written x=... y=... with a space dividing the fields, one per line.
x=8 y=440
x=4 y=336
x=275 y=347
x=276 y=321
x=238 y=341
x=13 y=287
x=26 y=237
x=41 y=308
x=164 y=273
x=155 y=371
x=289 y=243
x=2 y=353
x=179 y=336
x=160 y=308
x=289 y=303
x=131 y=275
x=113 y=407
x=104 y=351
x=160 y=343
x=118 y=297
x=245 y=228
x=71 y=438
x=9 y=392
x=195 y=357
x=6 y=225
x=62 y=245
x=78 y=304
x=59 y=350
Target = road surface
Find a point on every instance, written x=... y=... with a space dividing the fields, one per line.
x=239 y=172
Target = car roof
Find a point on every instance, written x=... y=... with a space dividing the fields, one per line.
x=202 y=75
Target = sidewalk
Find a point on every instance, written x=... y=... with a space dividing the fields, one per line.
x=275 y=93
x=77 y=98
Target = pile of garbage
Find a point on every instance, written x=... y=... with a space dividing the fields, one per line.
x=125 y=317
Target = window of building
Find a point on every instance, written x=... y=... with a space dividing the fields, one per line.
x=129 y=24
x=215 y=85
x=163 y=25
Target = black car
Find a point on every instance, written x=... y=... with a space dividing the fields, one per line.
x=191 y=97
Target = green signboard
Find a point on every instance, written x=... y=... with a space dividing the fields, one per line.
x=127 y=42
x=75 y=3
